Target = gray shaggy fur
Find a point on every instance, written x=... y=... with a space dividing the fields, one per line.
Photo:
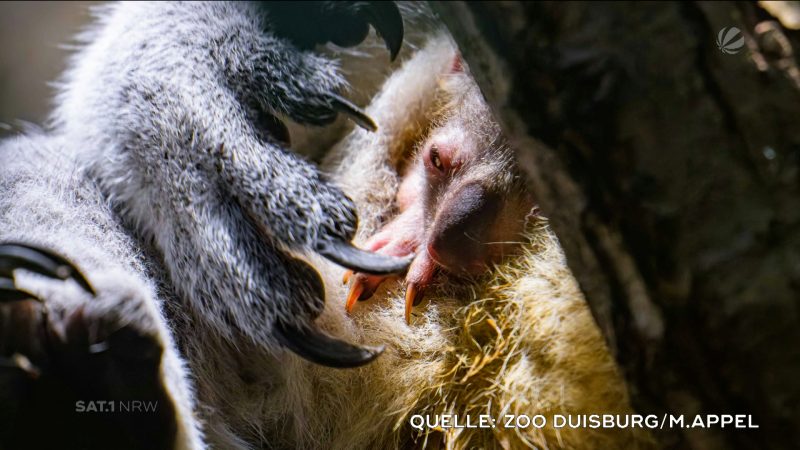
x=143 y=180
x=155 y=178
x=161 y=110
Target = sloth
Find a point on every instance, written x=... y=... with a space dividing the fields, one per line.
x=164 y=175
x=514 y=340
x=462 y=202
x=162 y=244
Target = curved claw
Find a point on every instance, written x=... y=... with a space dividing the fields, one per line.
x=317 y=347
x=356 y=114
x=345 y=254
x=388 y=23
x=9 y=291
x=413 y=298
x=355 y=293
x=44 y=262
x=345 y=24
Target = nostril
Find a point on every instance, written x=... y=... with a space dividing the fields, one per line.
x=459 y=232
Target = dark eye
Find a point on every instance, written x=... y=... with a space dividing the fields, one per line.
x=436 y=160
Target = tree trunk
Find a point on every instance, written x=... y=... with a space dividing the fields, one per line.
x=669 y=170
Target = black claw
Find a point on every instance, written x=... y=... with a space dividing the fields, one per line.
x=307 y=24
x=356 y=114
x=44 y=262
x=9 y=291
x=317 y=347
x=388 y=23
x=346 y=255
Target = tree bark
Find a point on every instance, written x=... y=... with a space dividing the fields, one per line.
x=669 y=170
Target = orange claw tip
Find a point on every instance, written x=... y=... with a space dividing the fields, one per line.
x=346 y=276
x=352 y=297
x=413 y=297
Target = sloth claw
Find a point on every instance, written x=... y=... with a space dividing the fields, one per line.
x=388 y=23
x=353 y=296
x=353 y=112
x=345 y=254
x=38 y=260
x=363 y=288
x=9 y=291
x=413 y=298
x=320 y=348
x=346 y=24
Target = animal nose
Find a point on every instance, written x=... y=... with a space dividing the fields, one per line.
x=460 y=228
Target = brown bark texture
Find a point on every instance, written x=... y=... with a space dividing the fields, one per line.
x=669 y=171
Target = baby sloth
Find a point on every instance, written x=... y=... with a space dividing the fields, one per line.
x=462 y=204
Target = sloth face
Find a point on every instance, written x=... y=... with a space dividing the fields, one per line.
x=462 y=205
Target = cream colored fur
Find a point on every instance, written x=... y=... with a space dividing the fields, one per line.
x=522 y=341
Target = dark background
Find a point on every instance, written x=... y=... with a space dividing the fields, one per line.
x=670 y=171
